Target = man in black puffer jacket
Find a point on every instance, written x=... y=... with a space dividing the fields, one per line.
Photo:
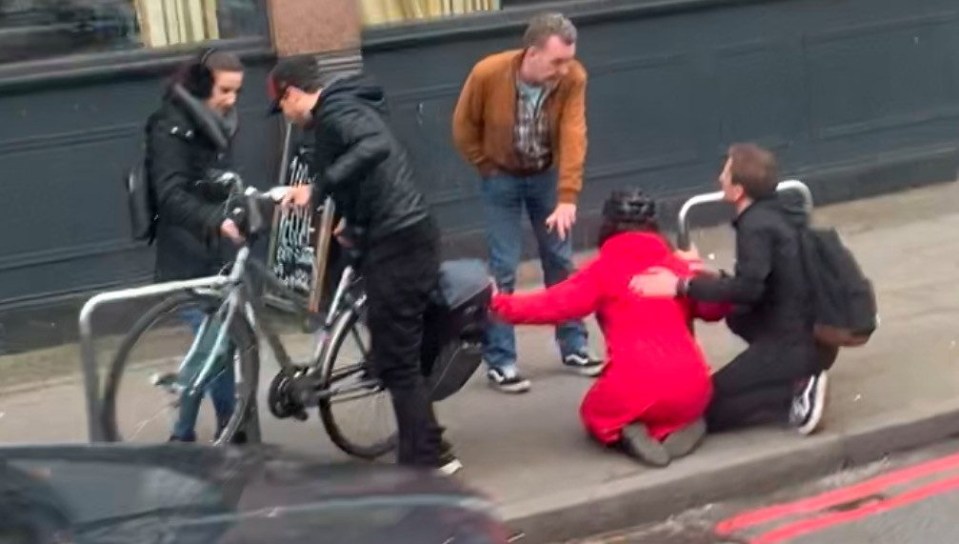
x=367 y=172
x=189 y=140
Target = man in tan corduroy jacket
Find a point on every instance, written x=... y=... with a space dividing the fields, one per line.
x=521 y=122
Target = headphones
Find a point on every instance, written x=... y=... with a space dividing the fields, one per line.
x=199 y=76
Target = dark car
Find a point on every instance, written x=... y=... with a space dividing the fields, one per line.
x=184 y=494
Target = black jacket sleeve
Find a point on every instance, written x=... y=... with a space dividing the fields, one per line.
x=171 y=174
x=365 y=144
x=754 y=255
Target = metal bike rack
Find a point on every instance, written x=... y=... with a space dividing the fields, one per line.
x=88 y=356
x=707 y=198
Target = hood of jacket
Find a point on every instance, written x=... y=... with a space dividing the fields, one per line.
x=793 y=209
x=788 y=205
x=355 y=87
x=219 y=129
x=637 y=250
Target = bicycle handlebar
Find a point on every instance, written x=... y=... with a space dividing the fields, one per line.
x=247 y=213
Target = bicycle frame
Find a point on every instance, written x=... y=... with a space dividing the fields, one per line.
x=239 y=297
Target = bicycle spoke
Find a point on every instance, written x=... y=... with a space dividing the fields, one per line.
x=342 y=373
x=357 y=395
x=143 y=424
x=349 y=422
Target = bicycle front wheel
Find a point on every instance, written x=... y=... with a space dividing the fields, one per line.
x=358 y=415
x=143 y=391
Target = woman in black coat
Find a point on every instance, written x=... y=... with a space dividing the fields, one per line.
x=189 y=140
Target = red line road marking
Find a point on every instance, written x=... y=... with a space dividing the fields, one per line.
x=837 y=496
x=826 y=521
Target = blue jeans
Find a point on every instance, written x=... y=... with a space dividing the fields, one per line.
x=504 y=197
x=221 y=387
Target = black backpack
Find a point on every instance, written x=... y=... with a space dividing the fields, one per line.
x=844 y=301
x=140 y=200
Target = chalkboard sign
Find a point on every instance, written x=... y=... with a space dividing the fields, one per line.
x=300 y=238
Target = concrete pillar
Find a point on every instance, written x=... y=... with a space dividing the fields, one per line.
x=300 y=27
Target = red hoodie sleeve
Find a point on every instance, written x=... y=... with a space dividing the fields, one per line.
x=574 y=298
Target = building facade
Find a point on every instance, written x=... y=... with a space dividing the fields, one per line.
x=857 y=97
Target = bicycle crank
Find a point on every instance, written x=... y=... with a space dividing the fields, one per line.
x=281 y=396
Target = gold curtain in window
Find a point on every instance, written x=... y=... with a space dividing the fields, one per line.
x=175 y=22
x=378 y=12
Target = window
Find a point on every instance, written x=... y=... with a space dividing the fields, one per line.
x=383 y=12
x=38 y=29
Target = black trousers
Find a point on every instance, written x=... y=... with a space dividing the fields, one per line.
x=400 y=273
x=759 y=384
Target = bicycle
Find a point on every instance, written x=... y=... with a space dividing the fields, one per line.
x=451 y=349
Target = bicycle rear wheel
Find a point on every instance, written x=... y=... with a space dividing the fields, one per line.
x=359 y=421
x=142 y=368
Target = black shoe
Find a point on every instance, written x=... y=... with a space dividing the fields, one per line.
x=507 y=380
x=449 y=464
x=684 y=441
x=583 y=364
x=637 y=443
x=809 y=404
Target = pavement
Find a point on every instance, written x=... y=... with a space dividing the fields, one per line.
x=530 y=454
x=905 y=499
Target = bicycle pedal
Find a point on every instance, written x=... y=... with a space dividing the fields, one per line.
x=163 y=379
x=167 y=382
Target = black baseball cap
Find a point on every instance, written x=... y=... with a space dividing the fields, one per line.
x=301 y=72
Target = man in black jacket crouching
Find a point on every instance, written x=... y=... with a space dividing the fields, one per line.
x=782 y=374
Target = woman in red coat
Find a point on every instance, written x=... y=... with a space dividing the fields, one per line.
x=653 y=392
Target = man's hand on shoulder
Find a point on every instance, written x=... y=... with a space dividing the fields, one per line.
x=656 y=282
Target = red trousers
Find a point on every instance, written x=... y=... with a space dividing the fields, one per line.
x=665 y=404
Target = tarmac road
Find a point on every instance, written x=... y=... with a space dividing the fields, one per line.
x=908 y=499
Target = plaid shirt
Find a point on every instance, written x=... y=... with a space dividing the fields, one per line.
x=531 y=134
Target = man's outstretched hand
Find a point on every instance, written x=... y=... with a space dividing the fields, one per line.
x=340 y=233
x=230 y=231
x=692 y=258
x=298 y=196
x=691 y=254
x=562 y=219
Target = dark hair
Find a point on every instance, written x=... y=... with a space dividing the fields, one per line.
x=224 y=61
x=198 y=75
x=628 y=210
x=304 y=72
x=754 y=169
x=545 y=25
